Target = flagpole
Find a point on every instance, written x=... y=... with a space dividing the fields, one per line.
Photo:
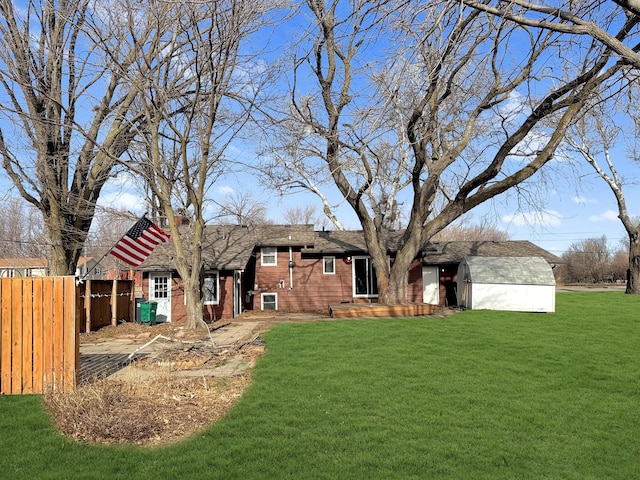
x=84 y=277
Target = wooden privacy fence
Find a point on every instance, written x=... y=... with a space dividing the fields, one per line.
x=39 y=341
x=105 y=302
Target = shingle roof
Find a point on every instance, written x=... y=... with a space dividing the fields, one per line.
x=454 y=252
x=348 y=241
x=510 y=270
x=23 y=263
x=229 y=247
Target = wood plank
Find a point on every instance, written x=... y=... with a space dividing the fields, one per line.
x=377 y=310
x=71 y=343
x=47 y=337
x=5 y=336
x=27 y=335
x=58 y=334
x=38 y=330
x=16 y=336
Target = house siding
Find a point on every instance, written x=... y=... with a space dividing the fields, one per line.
x=222 y=311
x=308 y=288
x=311 y=289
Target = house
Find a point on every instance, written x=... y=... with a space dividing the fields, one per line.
x=294 y=268
x=88 y=268
x=24 y=267
x=521 y=284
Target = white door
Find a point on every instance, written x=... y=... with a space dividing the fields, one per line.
x=160 y=292
x=237 y=293
x=430 y=285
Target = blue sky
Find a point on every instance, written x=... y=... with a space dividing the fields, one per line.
x=571 y=211
x=563 y=210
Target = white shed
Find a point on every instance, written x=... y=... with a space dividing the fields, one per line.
x=521 y=284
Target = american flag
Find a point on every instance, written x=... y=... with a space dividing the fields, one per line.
x=138 y=243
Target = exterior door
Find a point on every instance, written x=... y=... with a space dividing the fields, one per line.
x=160 y=292
x=237 y=293
x=430 y=285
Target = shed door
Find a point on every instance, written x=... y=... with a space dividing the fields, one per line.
x=160 y=292
x=430 y=285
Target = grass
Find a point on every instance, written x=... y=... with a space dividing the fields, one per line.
x=480 y=395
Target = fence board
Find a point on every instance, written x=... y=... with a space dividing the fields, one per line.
x=16 y=336
x=5 y=340
x=47 y=337
x=39 y=343
x=58 y=333
x=27 y=335
x=38 y=331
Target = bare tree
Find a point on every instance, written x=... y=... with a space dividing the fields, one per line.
x=431 y=104
x=593 y=137
x=241 y=208
x=198 y=91
x=21 y=232
x=588 y=261
x=299 y=215
x=482 y=231
x=66 y=117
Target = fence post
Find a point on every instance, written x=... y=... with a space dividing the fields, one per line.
x=87 y=307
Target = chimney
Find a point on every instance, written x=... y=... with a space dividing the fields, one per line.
x=181 y=220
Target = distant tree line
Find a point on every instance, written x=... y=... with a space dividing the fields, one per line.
x=592 y=261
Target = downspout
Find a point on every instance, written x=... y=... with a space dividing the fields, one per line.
x=290 y=265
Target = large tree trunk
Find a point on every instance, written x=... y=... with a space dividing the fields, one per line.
x=398 y=280
x=193 y=292
x=66 y=247
x=633 y=273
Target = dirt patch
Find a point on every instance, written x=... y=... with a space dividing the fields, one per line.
x=180 y=388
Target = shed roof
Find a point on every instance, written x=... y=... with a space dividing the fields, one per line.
x=509 y=270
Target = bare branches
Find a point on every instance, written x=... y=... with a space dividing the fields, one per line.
x=587 y=21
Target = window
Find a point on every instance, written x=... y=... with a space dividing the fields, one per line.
x=328 y=265
x=269 y=256
x=211 y=283
x=160 y=287
x=365 y=282
x=269 y=301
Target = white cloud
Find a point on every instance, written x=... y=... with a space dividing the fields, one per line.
x=122 y=201
x=606 y=216
x=543 y=218
x=225 y=190
x=580 y=200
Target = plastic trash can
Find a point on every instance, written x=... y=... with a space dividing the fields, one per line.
x=148 y=312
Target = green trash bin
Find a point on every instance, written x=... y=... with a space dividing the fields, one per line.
x=148 y=312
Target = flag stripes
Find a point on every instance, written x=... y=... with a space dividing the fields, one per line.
x=138 y=243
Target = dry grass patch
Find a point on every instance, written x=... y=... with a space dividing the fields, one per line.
x=161 y=409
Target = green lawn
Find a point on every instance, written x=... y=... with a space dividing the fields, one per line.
x=479 y=395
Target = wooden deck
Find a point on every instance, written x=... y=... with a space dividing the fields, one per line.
x=374 y=310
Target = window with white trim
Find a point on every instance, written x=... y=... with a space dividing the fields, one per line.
x=211 y=288
x=328 y=265
x=365 y=282
x=269 y=256
x=269 y=301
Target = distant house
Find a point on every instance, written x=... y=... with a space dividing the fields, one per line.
x=294 y=268
x=87 y=269
x=23 y=267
